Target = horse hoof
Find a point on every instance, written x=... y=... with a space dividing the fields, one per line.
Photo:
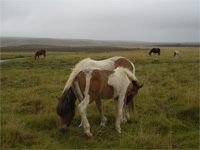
x=124 y=120
x=80 y=126
x=102 y=125
x=89 y=134
x=62 y=130
x=119 y=130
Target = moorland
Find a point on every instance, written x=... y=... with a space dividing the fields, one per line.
x=166 y=114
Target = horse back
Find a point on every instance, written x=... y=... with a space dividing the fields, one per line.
x=123 y=62
x=40 y=52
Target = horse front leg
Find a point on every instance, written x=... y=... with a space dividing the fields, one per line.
x=126 y=117
x=119 y=112
x=81 y=124
x=84 y=121
x=100 y=109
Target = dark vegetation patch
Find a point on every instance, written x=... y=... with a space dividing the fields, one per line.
x=66 y=49
x=189 y=115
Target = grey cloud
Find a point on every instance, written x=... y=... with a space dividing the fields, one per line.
x=146 y=20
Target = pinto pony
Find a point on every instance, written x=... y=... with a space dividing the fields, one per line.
x=40 y=52
x=176 y=53
x=92 y=84
x=155 y=50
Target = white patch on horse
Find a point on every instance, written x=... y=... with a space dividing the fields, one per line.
x=77 y=91
x=176 y=53
x=120 y=86
x=107 y=64
x=83 y=105
x=74 y=73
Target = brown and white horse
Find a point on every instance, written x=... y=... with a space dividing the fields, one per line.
x=40 y=52
x=176 y=53
x=107 y=64
x=92 y=84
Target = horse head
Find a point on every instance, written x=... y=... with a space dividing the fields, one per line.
x=66 y=109
x=134 y=87
x=150 y=52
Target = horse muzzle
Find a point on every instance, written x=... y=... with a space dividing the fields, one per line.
x=63 y=128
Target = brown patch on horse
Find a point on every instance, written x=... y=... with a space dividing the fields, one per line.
x=128 y=92
x=81 y=81
x=123 y=62
x=99 y=85
x=131 y=91
x=108 y=89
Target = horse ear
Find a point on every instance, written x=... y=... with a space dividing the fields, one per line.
x=141 y=85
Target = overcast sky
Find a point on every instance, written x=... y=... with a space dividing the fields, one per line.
x=132 y=20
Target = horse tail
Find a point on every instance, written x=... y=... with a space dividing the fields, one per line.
x=131 y=65
x=74 y=73
x=132 y=78
x=129 y=74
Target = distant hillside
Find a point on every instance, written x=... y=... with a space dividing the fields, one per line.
x=19 y=41
x=15 y=41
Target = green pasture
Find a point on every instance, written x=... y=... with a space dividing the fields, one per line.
x=166 y=114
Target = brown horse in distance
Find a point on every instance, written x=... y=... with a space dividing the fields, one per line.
x=40 y=52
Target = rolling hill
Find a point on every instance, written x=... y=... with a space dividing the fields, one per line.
x=20 y=41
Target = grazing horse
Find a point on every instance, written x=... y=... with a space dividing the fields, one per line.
x=107 y=64
x=92 y=84
x=40 y=52
x=155 y=50
x=176 y=53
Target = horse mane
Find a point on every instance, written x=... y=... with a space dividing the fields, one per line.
x=66 y=102
x=74 y=73
x=129 y=74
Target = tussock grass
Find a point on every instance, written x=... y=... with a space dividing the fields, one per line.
x=166 y=114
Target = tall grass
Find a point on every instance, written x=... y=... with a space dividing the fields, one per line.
x=166 y=114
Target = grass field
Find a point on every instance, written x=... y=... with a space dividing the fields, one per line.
x=166 y=114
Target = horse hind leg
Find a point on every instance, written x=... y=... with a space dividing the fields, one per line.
x=100 y=109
